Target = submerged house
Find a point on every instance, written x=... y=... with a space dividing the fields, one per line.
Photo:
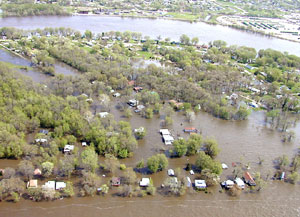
x=248 y=179
x=68 y=148
x=33 y=183
x=145 y=182
x=200 y=184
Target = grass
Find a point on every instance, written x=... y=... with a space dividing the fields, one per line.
x=145 y=54
x=184 y=16
x=14 y=66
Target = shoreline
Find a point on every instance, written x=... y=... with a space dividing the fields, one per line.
x=191 y=21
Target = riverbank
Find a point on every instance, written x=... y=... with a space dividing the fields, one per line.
x=217 y=22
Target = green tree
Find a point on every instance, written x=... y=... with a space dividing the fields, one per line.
x=204 y=161
x=157 y=162
x=179 y=148
x=47 y=168
x=89 y=159
x=211 y=147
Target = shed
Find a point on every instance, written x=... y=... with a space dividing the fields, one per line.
x=224 y=166
x=133 y=102
x=201 y=184
x=168 y=139
x=192 y=172
x=145 y=182
x=228 y=184
x=83 y=144
x=116 y=94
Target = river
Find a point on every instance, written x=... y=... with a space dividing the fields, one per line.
x=239 y=141
x=155 y=27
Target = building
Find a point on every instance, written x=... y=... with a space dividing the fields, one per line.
x=103 y=114
x=171 y=172
x=248 y=179
x=37 y=172
x=83 y=144
x=33 y=183
x=44 y=132
x=200 y=184
x=60 y=185
x=240 y=183
x=168 y=140
x=68 y=148
x=145 y=182
x=133 y=102
x=228 y=184
x=116 y=94
x=49 y=185
x=164 y=132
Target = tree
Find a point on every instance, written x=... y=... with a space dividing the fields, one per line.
x=88 y=34
x=47 y=168
x=193 y=144
x=204 y=161
x=67 y=165
x=130 y=176
x=89 y=159
x=128 y=113
x=89 y=183
x=294 y=177
x=157 y=162
x=179 y=148
x=140 y=164
x=190 y=115
x=184 y=39
x=68 y=191
x=111 y=163
x=195 y=40
x=26 y=169
x=211 y=148
x=149 y=113
x=174 y=186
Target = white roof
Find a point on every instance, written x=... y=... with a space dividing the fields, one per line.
x=138 y=130
x=140 y=107
x=83 y=144
x=229 y=183
x=165 y=132
x=200 y=183
x=239 y=182
x=224 y=166
x=49 y=185
x=41 y=140
x=103 y=114
x=60 y=185
x=168 y=138
x=145 y=182
x=116 y=94
x=192 y=172
x=69 y=147
x=188 y=180
x=171 y=172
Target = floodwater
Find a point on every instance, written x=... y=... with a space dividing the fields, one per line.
x=154 y=28
x=37 y=76
x=242 y=141
x=247 y=139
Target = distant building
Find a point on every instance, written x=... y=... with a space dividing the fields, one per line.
x=145 y=182
x=200 y=184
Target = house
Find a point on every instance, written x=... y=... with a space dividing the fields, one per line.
x=190 y=130
x=68 y=148
x=228 y=184
x=103 y=114
x=200 y=184
x=44 y=132
x=33 y=183
x=83 y=144
x=133 y=102
x=189 y=182
x=49 y=185
x=240 y=183
x=41 y=141
x=145 y=182
x=116 y=181
x=116 y=94
x=171 y=172
x=164 y=132
x=60 y=185
x=248 y=179
x=168 y=139
x=192 y=172
x=37 y=172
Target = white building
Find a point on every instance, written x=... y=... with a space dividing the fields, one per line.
x=145 y=182
x=103 y=114
x=60 y=185
x=68 y=148
x=49 y=185
x=201 y=184
x=171 y=172
x=240 y=183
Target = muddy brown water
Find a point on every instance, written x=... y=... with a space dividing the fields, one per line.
x=239 y=141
